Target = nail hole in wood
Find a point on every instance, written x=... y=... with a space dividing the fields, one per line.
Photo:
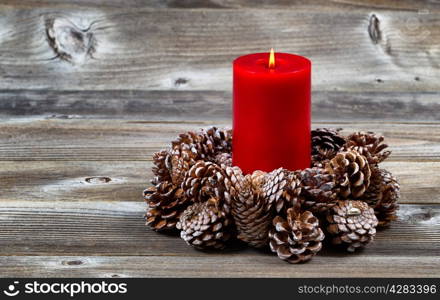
x=417 y=78
x=72 y=262
x=180 y=81
x=379 y=80
x=98 y=179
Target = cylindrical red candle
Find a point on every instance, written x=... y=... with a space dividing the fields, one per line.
x=272 y=115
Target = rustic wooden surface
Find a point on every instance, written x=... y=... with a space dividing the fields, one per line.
x=90 y=89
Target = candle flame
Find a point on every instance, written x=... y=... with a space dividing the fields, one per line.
x=272 y=59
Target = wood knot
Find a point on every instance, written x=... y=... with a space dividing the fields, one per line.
x=70 y=42
x=98 y=179
x=374 y=29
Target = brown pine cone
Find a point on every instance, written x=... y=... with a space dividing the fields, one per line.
x=282 y=188
x=220 y=138
x=162 y=165
x=206 y=180
x=252 y=212
x=205 y=225
x=352 y=173
x=297 y=238
x=322 y=157
x=194 y=141
x=206 y=143
x=224 y=159
x=172 y=164
x=351 y=224
x=326 y=139
x=382 y=196
x=182 y=159
x=199 y=184
x=318 y=190
x=369 y=145
x=165 y=204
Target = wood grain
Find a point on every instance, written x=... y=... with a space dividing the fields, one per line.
x=117 y=228
x=210 y=105
x=192 y=49
x=406 y=5
x=219 y=266
x=53 y=138
x=102 y=181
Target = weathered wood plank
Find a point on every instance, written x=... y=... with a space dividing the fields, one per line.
x=225 y=266
x=117 y=228
x=77 y=181
x=211 y=105
x=192 y=49
x=55 y=138
x=74 y=181
x=241 y=4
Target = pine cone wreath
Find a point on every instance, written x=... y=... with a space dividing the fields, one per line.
x=165 y=204
x=369 y=145
x=318 y=190
x=198 y=191
x=352 y=173
x=382 y=196
x=326 y=143
x=282 y=188
x=296 y=238
x=351 y=224
x=252 y=212
x=205 y=225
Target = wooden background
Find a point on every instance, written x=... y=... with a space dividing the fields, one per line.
x=90 y=89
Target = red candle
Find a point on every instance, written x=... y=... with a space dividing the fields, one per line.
x=271 y=104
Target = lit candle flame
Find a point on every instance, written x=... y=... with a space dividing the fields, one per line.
x=272 y=59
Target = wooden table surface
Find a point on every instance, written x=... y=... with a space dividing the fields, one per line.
x=90 y=89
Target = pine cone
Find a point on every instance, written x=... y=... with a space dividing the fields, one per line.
x=162 y=165
x=165 y=204
x=369 y=145
x=224 y=159
x=282 y=188
x=296 y=239
x=352 y=173
x=318 y=190
x=322 y=157
x=205 y=225
x=206 y=143
x=220 y=138
x=199 y=184
x=382 y=196
x=206 y=180
x=172 y=164
x=326 y=139
x=351 y=224
x=252 y=212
